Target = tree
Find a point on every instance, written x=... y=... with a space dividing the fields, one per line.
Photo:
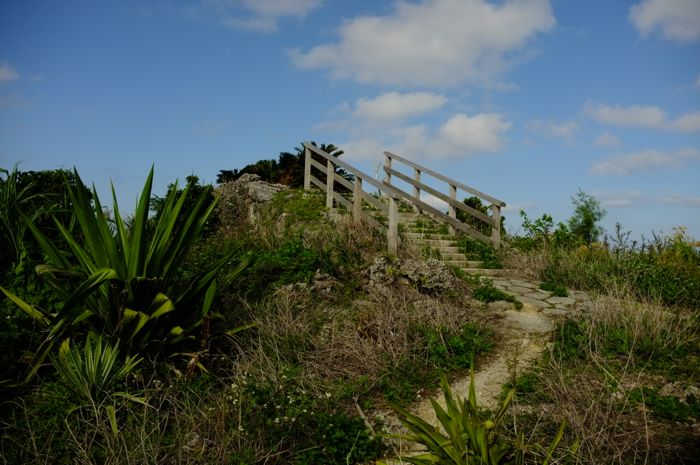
x=584 y=222
x=288 y=169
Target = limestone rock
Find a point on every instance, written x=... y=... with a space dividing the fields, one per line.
x=428 y=276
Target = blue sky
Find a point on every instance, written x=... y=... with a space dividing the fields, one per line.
x=526 y=100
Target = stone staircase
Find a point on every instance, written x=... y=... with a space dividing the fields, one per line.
x=434 y=239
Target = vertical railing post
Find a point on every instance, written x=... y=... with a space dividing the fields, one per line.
x=416 y=189
x=357 y=200
x=387 y=164
x=452 y=213
x=496 y=228
x=330 y=179
x=393 y=232
x=307 y=168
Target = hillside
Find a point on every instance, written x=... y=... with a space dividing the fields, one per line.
x=312 y=340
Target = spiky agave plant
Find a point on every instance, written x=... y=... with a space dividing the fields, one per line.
x=467 y=438
x=126 y=283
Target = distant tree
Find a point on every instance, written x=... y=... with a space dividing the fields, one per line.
x=475 y=223
x=288 y=169
x=584 y=222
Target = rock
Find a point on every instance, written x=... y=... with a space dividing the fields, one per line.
x=554 y=312
x=534 y=302
x=324 y=283
x=427 y=276
x=500 y=305
x=561 y=300
x=244 y=195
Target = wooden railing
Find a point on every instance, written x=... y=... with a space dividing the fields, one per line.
x=493 y=221
x=393 y=194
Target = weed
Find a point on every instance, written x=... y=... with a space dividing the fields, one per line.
x=487 y=292
x=449 y=350
x=666 y=407
x=557 y=290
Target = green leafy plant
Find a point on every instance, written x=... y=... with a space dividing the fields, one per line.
x=120 y=281
x=91 y=374
x=467 y=436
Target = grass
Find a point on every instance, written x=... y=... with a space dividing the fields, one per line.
x=487 y=293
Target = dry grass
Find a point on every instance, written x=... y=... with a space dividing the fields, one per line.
x=619 y=342
x=333 y=344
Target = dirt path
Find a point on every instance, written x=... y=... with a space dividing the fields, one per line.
x=522 y=337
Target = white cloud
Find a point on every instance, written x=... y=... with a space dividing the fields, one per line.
x=607 y=139
x=554 y=130
x=682 y=200
x=393 y=106
x=651 y=117
x=431 y=42
x=458 y=137
x=618 y=199
x=259 y=15
x=639 y=161
x=677 y=20
x=7 y=72
x=481 y=133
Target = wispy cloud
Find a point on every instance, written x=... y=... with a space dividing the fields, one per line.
x=259 y=15
x=7 y=72
x=650 y=116
x=393 y=106
x=645 y=160
x=565 y=130
x=607 y=139
x=433 y=43
x=682 y=200
x=676 y=20
x=618 y=199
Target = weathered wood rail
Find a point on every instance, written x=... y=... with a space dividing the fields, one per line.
x=395 y=195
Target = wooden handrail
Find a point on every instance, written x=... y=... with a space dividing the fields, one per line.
x=449 y=181
x=395 y=194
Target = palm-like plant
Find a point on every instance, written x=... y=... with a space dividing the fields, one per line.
x=126 y=283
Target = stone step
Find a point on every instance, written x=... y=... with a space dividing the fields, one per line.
x=485 y=271
x=429 y=236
